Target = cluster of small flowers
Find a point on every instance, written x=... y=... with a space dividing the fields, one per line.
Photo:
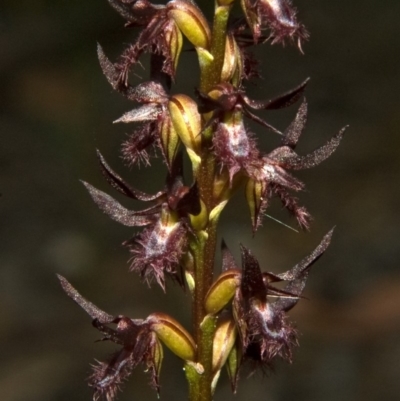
x=252 y=322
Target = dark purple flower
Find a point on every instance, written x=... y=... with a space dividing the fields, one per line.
x=278 y=17
x=269 y=176
x=158 y=249
x=160 y=34
x=156 y=127
x=234 y=146
x=137 y=338
x=261 y=310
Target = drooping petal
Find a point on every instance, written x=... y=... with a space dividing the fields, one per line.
x=92 y=310
x=113 y=76
x=121 y=186
x=284 y=100
x=147 y=112
x=317 y=156
x=115 y=210
x=296 y=128
x=305 y=264
x=299 y=274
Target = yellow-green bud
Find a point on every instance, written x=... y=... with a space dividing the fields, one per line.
x=222 y=290
x=232 y=55
x=224 y=339
x=186 y=120
x=169 y=140
x=173 y=37
x=254 y=195
x=200 y=221
x=191 y=22
x=233 y=365
x=173 y=335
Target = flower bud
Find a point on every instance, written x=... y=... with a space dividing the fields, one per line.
x=199 y=222
x=233 y=365
x=205 y=58
x=173 y=335
x=191 y=22
x=224 y=339
x=222 y=290
x=186 y=120
x=154 y=360
x=255 y=191
x=173 y=38
x=169 y=140
x=231 y=59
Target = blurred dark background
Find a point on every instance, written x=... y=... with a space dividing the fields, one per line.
x=56 y=108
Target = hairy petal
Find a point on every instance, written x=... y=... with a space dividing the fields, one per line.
x=296 y=128
x=115 y=210
x=112 y=75
x=92 y=310
x=299 y=274
x=308 y=261
x=284 y=100
x=252 y=284
x=316 y=157
x=107 y=378
x=228 y=261
x=290 y=203
x=147 y=112
x=121 y=186
x=135 y=148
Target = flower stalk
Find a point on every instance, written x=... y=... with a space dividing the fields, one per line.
x=239 y=316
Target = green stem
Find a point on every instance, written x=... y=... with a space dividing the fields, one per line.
x=203 y=249
x=211 y=75
x=204 y=246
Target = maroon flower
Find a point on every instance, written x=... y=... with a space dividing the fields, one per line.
x=156 y=127
x=139 y=345
x=269 y=177
x=264 y=328
x=160 y=34
x=259 y=307
x=234 y=146
x=158 y=249
x=278 y=16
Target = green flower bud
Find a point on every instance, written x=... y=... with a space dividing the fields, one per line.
x=173 y=335
x=254 y=195
x=173 y=37
x=191 y=22
x=155 y=358
x=222 y=290
x=169 y=140
x=233 y=365
x=231 y=58
x=200 y=221
x=224 y=340
x=186 y=120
